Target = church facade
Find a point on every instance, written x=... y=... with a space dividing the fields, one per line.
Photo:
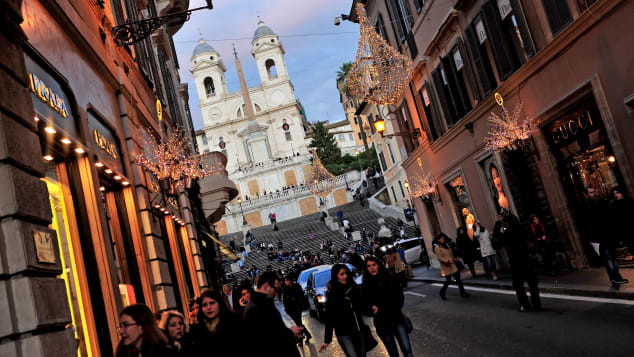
x=264 y=142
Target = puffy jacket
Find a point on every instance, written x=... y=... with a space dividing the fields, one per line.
x=344 y=308
x=387 y=295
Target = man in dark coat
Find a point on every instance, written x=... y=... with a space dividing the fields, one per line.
x=295 y=303
x=264 y=324
x=514 y=238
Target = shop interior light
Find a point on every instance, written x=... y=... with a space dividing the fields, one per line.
x=36 y=118
x=166 y=212
x=99 y=164
x=108 y=171
x=611 y=158
x=102 y=188
x=48 y=157
x=173 y=216
x=157 y=206
x=80 y=150
x=50 y=130
x=125 y=183
x=66 y=141
x=117 y=177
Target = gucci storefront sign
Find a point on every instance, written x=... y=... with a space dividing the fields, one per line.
x=568 y=129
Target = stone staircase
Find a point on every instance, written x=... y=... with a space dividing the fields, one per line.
x=294 y=233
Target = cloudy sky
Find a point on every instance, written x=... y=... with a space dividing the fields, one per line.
x=315 y=48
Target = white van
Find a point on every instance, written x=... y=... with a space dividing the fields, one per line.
x=414 y=251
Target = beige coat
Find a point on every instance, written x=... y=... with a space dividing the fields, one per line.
x=393 y=261
x=446 y=259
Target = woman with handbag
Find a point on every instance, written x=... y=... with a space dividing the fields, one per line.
x=447 y=265
x=344 y=306
x=384 y=300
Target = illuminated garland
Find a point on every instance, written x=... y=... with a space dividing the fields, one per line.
x=422 y=186
x=320 y=182
x=508 y=130
x=172 y=160
x=379 y=74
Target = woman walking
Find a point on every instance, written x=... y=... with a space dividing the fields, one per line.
x=486 y=249
x=343 y=313
x=140 y=335
x=384 y=299
x=176 y=329
x=218 y=329
x=447 y=265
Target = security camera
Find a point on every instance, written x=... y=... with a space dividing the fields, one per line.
x=337 y=21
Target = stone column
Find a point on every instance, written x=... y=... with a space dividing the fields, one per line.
x=33 y=304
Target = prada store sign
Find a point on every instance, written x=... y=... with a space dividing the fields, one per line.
x=106 y=143
x=50 y=100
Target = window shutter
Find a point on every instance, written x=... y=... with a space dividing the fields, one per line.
x=442 y=95
x=467 y=67
x=392 y=11
x=558 y=14
x=525 y=32
x=474 y=46
x=411 y=43
x=458 y=92
x=504 y=59
x=420 y=108
x=434 y=124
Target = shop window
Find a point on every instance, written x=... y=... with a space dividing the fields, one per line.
x=558 y=15
x=210 y=89
x=495 y=184
x=463 y=211
x=271 y=70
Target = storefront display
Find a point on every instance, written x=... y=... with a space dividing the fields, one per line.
x=461 y=203
x=584 y=156
x=494 y=182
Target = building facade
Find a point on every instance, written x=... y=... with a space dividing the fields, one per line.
x=267 y=155
x=570 y=65
x=85 y=231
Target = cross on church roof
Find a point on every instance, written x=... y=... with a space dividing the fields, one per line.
x=235 y=53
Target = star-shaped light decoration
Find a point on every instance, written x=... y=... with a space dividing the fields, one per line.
x=170 y=159
x=509 y=130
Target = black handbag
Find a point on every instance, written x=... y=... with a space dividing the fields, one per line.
x=459 y=265
x=368 y=340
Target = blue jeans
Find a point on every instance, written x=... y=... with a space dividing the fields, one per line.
x=608 y=253
x=352 y=346
x=489 y=264
x=389 y=336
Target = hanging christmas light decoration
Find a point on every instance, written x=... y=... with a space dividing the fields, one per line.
x=380 y=74
x=171 y=161
x=509 y=130
x=320 y=182
x=422 y=185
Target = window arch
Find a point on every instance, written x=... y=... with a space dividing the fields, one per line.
x=241 y=112
x=210 y=89
x=257 y=108
x=271 y=70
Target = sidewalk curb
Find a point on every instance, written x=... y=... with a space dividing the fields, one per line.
x=610 y=294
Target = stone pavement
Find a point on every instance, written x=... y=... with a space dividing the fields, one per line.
x=587 y=282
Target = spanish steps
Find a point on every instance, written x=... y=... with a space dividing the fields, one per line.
x=295 y=233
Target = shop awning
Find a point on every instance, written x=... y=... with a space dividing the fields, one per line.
x=223 y=248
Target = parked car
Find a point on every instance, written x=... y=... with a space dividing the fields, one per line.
x=415 y=251
x=302 y=279
x=316 y=288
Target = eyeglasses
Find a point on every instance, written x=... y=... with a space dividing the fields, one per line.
x=125 y=325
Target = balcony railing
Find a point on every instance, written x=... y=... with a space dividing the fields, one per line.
x=250 y=168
